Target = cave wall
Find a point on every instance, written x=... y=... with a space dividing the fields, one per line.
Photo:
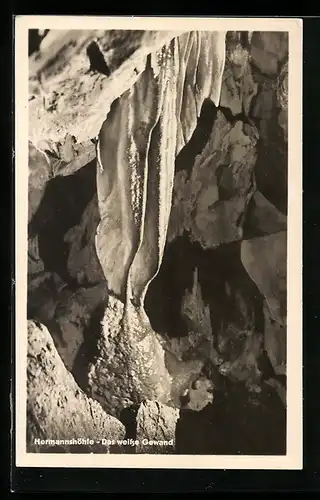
x=228 y=215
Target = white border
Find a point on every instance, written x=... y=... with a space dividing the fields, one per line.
x=293 y=458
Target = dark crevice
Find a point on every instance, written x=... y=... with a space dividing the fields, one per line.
x=251 y=223
x=267 y=370
x=200 y=137
x=232 y=119
x=128 y=417
x=216 y=268
x=163 y=299
x=61 y=208
x=97 y=61
x=271 y=174
x=88 y=350
x=35 y=39
x=244 y=40
x=232 y=425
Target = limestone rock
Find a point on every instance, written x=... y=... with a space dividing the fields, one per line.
x=268 y=50
x=83 y=263
x=130 y=365
x=65 y=281
x=73 y=89
x=147 y=94
x=263 y=218
x=282 y=99
x=238 y=85
x=56 y=408
x=183 y=373
x=236 y=423
x=43 y=295
x=72 y=317
x=35 y=263
x=244 y=367
x=255 y=83
x=39 y=174
x=275 y=342
x=210 y=205
x=156 y=422
x=199 y=395
x=265 y=104
x=265 y=260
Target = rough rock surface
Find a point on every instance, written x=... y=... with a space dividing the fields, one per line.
x=275 y=342
x=266 y=262
x=239 y=87
x=268 y=51
x=199 y=395
x=91 y=69
x=156 y=422
x=39 y=174
x=83 y=263
x=210 y=202
x=72 y=317
x=127 y=369
x=263 y=218
x=66 y=284
x=282 y=99
x=270 y=113
x=57 y=409
x=271 y=276
x=197 y=316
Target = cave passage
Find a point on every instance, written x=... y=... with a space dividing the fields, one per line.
x=216 y=268
x=61 y=208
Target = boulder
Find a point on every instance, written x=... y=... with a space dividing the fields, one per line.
x=156 y=428
x=265 y=260
x=58 y=412
x=211 y=202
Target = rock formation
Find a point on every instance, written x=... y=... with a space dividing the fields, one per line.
x=57 y=409
x=156 y=428
x=157 y=213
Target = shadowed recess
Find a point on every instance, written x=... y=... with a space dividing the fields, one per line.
x=61 y=208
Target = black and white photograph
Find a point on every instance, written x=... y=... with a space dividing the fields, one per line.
x=156 y=204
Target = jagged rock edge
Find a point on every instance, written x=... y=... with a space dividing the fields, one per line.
x=112 y=88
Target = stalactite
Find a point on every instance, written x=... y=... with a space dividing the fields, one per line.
x=144 y=131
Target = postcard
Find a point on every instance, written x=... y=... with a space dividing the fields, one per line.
x=158 y=170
